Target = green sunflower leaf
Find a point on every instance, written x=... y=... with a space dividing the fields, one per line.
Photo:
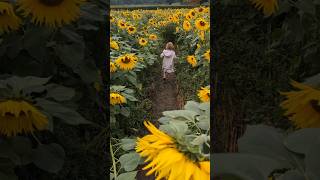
x=128 y=176
x=130 y=161
x=57 y=110
x=49 y=157
x=60 y=93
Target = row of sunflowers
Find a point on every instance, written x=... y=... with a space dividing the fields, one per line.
x=179 y=147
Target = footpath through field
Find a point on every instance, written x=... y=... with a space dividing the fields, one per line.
x=164 y=98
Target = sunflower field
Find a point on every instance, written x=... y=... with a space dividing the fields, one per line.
x=176 y=144
x=266 y=121
x=52 y=124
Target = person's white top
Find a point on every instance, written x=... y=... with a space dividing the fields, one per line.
x=167 y=63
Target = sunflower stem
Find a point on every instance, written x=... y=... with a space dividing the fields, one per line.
x=113 y=162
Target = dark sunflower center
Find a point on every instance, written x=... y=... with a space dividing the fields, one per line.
x=131 y=29
x=208 y=94
x=143 y=41
x=193 y=13
x=126 y=60
x=202 y=23
x=315 y=105
x=51 y=2
x=200 y=10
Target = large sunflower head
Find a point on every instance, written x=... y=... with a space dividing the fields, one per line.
x=166 y=160
x=131 y=29
x=117 y=98
x=269 y=6
x=187 y=26
x=191 y=59
x=52 y=13
x=143 y=41
x=202 y=24
x=122 y=24
x=303 y=106
x=204 y=94
x=18 y=116
x=126 y=62
x=8 y=19
x=153 y=37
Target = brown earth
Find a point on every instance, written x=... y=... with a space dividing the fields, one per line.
x=164 y=96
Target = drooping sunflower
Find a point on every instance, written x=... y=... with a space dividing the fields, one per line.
x=131 y=29
x=202 y=24
x=187 y=25
x=207 y=55
x=153 y=37
x=303 y=106
x=126 y=62
x=117 y=98
x=18 y=116
x=114 y=45
x=192 y=60
x=166 y=161
x=143 y=41
x=8 y=20
x=52 y=13
x=113 y=67
x=204 y=94
x=269 y=6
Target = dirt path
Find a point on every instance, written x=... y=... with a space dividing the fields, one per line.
x=164 y=98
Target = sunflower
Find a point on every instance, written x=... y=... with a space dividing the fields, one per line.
x=303 y=106
x=269 y=6
x=153 y=37
x=122 y=24
x=192 y=13
x=207 y=55
x=204 y=94
x=116 y=98
x=200 y=9
x=114 y=45
x=192 y=60
x=131 y=29
x=126 y=62
x=20 y=117
x=143 y=41
x=188 y=17
x=8 y=20
x=201 y=24
x=187 y=25
x=201 y=35
x=113 y=67
x=166 y=161
x=52 y=13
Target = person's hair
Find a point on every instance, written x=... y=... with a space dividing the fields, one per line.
x=170 y=46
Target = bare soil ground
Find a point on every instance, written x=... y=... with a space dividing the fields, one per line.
x=164 y=98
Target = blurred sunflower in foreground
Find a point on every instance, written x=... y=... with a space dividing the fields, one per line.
x=269 y=6
x=18 y=116
x=52 y=13
x=8 y=19
x=303 y=106
x=168 y=159
x=204 y=94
